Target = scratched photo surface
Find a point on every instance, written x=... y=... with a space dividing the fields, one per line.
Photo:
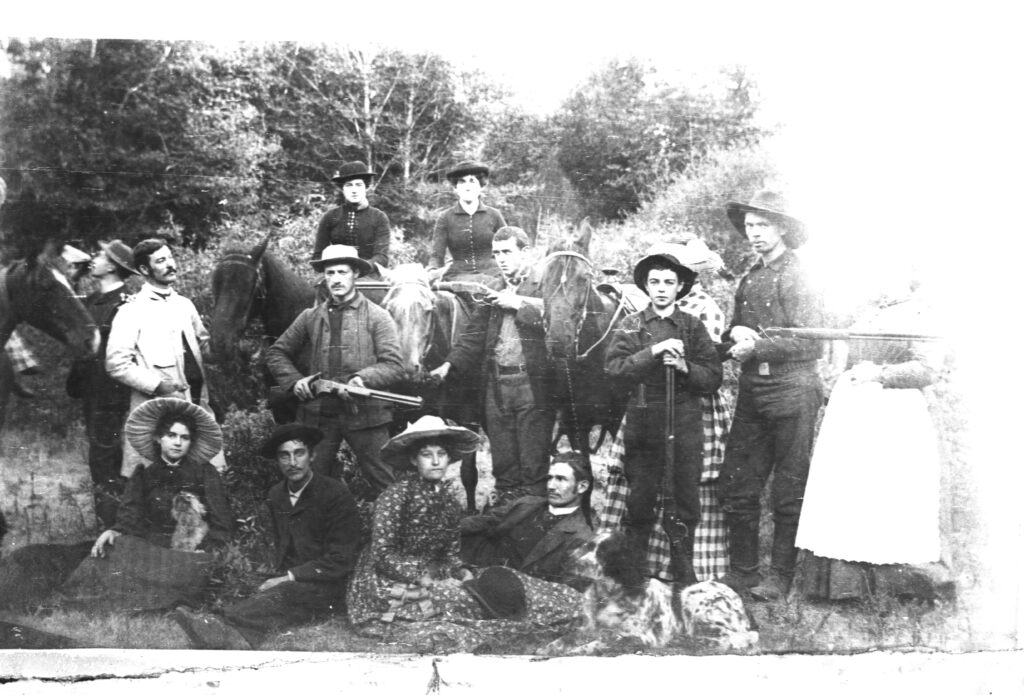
x=600 y=142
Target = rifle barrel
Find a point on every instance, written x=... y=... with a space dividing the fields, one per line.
x=843 y=334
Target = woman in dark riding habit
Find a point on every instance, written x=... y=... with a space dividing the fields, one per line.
x=355 y=222
x=466 y=228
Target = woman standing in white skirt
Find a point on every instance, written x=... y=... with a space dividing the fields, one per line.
x=872 y=496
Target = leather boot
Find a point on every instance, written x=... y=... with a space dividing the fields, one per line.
x=776 y=585
x=743 y=558
x=681 y=553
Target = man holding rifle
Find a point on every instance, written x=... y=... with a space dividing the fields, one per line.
x=780 y=393
x=667 y=360
x=344 y=341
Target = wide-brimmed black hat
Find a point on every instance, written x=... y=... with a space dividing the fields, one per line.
x=289 y=432
x=353 y=170
x=500 y=593
x=459 y=441
x=467 y=168
x=340 y=253
x=769 y=202
x=672 y=254
x=119 y=253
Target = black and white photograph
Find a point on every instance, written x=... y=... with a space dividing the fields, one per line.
x=433 y=348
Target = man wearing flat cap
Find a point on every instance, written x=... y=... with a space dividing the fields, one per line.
x=780 y=393
x=647 y=350
x=355 y=222
x=104 y=400
x=316 y=542
x=350 y=340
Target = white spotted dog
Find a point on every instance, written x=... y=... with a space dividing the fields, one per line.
x=190 y=527
x=617 y=620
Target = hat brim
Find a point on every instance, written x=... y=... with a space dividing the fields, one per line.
x=359 y=264
x=794 y=238
x=467 y=171
x=470 y=585
x=207 y=440
x=287 y=433
x=457 y=440
x=114 y=259
x=643 y=267
x=340 y=180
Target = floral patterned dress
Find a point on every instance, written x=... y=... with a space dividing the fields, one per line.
x=415 y=533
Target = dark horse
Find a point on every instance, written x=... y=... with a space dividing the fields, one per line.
x=34 y=291
x=427 y=326
x=578 y=321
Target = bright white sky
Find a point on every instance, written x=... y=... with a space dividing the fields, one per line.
x=898 y=117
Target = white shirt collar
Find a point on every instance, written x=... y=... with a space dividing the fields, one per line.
x=562 y=511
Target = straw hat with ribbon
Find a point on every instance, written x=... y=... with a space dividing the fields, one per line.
x=769 y=202
x=140 y=429
x=459 y=441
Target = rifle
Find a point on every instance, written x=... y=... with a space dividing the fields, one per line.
x=476 y=291
x=372 y=285
x=843 y=334
x=322 y=386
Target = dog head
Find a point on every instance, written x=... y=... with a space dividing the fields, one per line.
x=186 y=505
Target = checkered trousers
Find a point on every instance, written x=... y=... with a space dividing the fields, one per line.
x=19 y=353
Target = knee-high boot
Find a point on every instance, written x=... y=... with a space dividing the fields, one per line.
x=743 y=552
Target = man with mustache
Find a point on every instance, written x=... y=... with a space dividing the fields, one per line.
x=316 y=541
x=157 y=341
x=347 y=339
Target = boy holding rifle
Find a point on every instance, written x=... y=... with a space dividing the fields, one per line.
x=346 y=339
x=668 y=360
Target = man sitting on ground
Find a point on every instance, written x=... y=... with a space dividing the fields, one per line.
x=534 y=534
x=316 y=537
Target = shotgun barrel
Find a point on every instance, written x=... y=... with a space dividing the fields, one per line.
x=844 y=334
x=327 y=386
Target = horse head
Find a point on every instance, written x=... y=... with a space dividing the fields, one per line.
x=38 y=293
x=412 y=303
x=566 y=284
x=236 y=281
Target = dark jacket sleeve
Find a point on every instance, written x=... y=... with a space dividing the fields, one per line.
x=340 y=531
x=705 y=367
x=131 y=514
x=218 y=509
x=389 y=368
x=381 y=240
x=439 y=241
x=323 y=233
x=468 y=351
x=627 y=358
x=284 y=353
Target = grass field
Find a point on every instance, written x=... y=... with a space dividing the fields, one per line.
x=46 y=497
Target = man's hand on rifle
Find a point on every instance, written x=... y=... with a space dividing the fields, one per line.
x=739 y=334
x=742 y=351
x=303 y=388
x=441 y=373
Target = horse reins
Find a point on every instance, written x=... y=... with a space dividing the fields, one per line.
x=586 y=300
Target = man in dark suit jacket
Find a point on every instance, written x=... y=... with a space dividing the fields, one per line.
x=316 y=538
x=538 y=535
x=505 y=339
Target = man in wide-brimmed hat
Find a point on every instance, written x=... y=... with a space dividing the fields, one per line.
x=642 y=347
x=780 y=393
x=355 y=222
x=104 y=401
x=316 y=543
x=158 y=344
x=347 y=339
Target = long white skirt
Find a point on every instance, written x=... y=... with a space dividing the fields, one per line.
x=873 y=490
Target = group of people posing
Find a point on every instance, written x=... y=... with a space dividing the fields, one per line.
x=691 y=508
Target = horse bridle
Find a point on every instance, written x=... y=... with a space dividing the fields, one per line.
x=431 y=298
x=586 y=300
x=259 y=288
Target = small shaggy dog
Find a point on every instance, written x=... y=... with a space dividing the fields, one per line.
x=190 y=528
x=706 y=614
